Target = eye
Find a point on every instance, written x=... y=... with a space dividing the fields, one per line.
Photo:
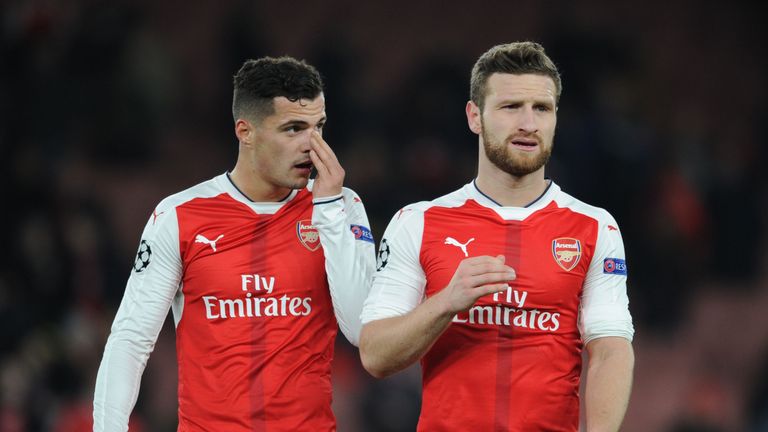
x=542 y=108
x=293 y=128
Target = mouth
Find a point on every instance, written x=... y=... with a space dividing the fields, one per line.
x=524 y=144
x=304 y=166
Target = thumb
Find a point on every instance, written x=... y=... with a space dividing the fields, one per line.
x=502 y=258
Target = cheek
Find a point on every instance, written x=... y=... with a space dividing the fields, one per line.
x=495 y=126
x=547 y=127
x=268 y=158
x=276 y=149
x=552 y=129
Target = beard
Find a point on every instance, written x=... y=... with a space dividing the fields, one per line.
x=511 y=162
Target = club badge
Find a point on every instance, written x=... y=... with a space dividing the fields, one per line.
x=567 y=252
x=308 y=235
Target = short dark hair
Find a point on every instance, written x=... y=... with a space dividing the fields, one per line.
x=259 y=81
x=513 y=58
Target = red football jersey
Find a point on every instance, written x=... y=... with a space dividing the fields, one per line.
x=255 y=319
x=512 y=362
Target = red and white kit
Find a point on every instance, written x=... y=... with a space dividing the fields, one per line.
x=256 y=290
x=513 y=361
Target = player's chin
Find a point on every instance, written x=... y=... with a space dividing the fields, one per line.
x=300 y=182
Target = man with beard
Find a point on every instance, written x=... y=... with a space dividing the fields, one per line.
x=498 y=286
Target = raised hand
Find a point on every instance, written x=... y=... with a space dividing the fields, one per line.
x=330 y=174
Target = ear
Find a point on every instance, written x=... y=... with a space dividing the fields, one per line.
x=473 y=118
x=244 y=131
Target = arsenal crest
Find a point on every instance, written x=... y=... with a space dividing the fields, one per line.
x=308 y=235
x=567 y=252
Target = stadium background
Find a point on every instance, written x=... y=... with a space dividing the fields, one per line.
x=107 y=107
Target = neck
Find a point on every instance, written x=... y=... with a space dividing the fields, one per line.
x=509 y=190
x=256 y=188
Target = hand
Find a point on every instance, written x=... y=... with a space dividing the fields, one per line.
x=330 y=174
x=474 y=278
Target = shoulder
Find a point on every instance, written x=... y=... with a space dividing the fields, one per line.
x=456 y=198
x=601 y=215
x=412 y=215
x=451 y=200
x=351 y=197
x=207 y=189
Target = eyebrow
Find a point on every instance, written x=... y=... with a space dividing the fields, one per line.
x=522 y=100
x=301 y=122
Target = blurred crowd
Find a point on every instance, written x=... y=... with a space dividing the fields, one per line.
x=108 y=107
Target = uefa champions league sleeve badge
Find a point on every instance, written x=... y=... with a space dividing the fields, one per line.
x=143 y=257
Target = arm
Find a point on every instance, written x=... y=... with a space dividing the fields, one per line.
x=392 y=344
x=606 y=328
x=349 y=257
x=341 y=221
x=151 y=286
x=609 y=381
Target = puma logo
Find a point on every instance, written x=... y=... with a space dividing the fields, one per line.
x=453 y=242
x=155 y=214
x=201 y=239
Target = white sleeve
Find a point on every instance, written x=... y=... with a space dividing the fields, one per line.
x=151 y=287
x=350 y=256
x=604 y=302
x=398 y=285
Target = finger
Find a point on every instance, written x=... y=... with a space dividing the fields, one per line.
x=485 y=259
x=489 y=267
x=479 y=260
x=325 y=150
x=489 y=278
x=322 y=169
x=331 y=167
x=490 y=289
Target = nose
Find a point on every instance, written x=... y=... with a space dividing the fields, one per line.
x=528 y=120
x=306 y=141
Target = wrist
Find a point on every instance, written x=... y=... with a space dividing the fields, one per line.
x=322 y=192
x=327 y=199
x=442 y=305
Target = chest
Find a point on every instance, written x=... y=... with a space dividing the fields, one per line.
x=550 y=252
x=231 y=250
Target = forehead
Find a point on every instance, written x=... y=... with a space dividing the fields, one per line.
x=525 y=87
x=302 y=109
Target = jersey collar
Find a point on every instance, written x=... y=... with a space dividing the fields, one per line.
x=516 y=213
x=226 y=183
